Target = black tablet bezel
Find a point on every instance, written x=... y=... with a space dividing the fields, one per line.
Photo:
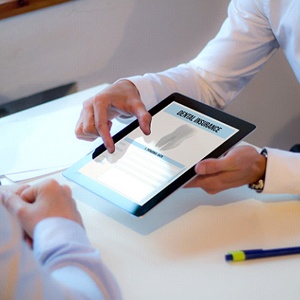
x=244 y=128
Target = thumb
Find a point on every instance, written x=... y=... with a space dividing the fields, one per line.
x=211 y=166
x=12 y=202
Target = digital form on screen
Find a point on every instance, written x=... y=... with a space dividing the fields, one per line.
x=141 y=165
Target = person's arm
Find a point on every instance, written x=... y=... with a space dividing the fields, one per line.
x=244 y=165
x=223 y=68
x=63 y=264
x=240 y=49
x=282 y=172
x=74 y=265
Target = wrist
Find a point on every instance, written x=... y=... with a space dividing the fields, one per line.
x=129 y=85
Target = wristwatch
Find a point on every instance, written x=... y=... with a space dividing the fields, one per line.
x=258 y=186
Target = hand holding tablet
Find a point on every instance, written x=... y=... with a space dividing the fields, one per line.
x=144 y=170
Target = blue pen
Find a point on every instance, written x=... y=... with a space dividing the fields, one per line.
x=242 y=255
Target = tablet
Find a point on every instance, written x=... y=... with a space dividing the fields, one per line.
x=144 y=170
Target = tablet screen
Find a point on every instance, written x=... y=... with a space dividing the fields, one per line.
x=144 y=168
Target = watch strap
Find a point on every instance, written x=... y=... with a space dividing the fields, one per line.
x=258 y=186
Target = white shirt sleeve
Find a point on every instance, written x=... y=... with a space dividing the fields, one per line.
x=282 y=173
x=248 y=38
x=223 y=68
x=63 y=264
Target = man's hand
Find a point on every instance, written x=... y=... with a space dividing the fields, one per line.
x=241 y=165
x=119 y=98
x=32 y=204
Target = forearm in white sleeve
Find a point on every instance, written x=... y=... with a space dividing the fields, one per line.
x=22 y=276
x=282 y=173
x=63 y=249
x=184 y=79
x=224 y=67
x=63 y=264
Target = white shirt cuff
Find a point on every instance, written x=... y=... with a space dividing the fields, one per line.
x=282 y=172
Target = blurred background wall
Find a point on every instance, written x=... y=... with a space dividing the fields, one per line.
x=83 y=43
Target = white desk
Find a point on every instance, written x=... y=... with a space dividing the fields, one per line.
x=176 y=251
